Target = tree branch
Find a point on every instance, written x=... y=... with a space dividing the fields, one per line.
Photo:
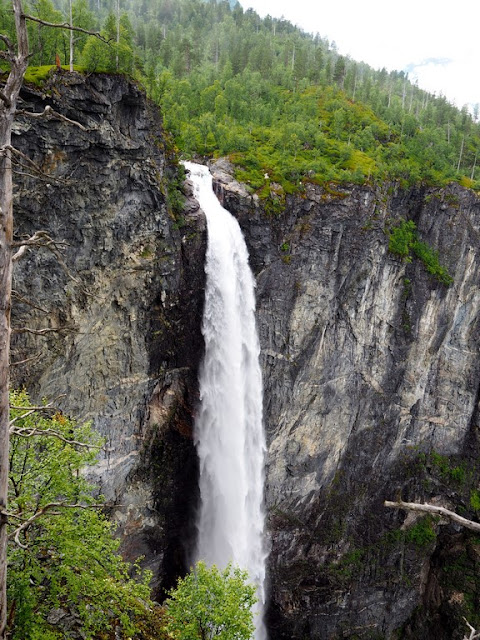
x=25 y=525
x=19 y=362
x=31 y=163
x=430 y=508
x=26 y=432
x=20 y=298
x=42 y=332
x=42 y=239
x=28 y=411
x=5 y=99
x=65 y=25
x=48 y=113
x=473 y=632
x=8 y=43
x=39 y=239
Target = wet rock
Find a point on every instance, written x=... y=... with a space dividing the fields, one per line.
x=369 y=364
x=123 y=289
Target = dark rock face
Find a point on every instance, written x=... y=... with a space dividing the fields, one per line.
x=372 y=376
x=124 y=294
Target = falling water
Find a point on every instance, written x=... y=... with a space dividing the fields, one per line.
x=229 y=430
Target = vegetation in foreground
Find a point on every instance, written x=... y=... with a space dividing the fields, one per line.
x=211 y=604
x=66 y=578
x=64 y=569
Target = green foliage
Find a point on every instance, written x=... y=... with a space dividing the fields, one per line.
x=475 y=500
x=209 y=603
x=70 y=557
x=429 y=257
x=449 y=471
x=110 y=56
x=287 y=104
x=277 y=100
x=174 y=192
x=403 y=241
x=422 y=533
x=39 y=75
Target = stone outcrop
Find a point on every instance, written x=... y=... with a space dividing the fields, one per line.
x=117 y=303
x=372 y=377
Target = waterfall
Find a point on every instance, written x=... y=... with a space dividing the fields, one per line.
x=229 y=432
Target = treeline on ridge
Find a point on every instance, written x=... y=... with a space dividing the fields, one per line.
x=283 y=104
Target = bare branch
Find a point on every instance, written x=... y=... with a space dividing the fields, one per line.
x=42 y=332
x=19 y=362
x=6 y=55
x=31 y=163
x=52 y=505
x=28 y=412
x=43 y=407
x=5 y=99
x=39 y=239
x=25 y=432
x=430 y=508
x=42 y=239
x=20 y=298
x=65 y=25
x=8 y=42
x=474 y=635
x=48 y=113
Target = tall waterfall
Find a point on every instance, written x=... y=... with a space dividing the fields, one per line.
x=229 y=428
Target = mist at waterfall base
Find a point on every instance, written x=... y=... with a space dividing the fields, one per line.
x=229 y=433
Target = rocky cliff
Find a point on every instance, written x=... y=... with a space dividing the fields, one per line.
x=115 y=304
x=371 y=367
x=372 y=377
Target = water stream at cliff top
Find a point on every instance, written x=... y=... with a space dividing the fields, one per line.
x=229 y=433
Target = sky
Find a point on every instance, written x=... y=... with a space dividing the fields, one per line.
x=435 y=41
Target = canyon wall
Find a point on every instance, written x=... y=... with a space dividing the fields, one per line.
x=117 y=302
x=372 y=377
x=371 y=366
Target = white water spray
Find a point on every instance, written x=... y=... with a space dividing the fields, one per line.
x=229 y=428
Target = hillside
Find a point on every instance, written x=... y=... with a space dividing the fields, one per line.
x=283 y=104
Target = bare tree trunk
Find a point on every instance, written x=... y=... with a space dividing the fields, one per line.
x=70 y=2
x=18 y=60
x=118 y=34
x=431 y=508
x=472 y=175
x=461 y=153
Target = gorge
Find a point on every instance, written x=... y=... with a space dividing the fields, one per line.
x=370 y=366
x=229 y=425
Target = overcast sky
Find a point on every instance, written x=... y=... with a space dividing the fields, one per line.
x=437 y=42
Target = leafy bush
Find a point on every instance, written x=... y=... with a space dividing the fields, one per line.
x=403 y=241
x=422 y=533
x=402 y=238
x=62 y=555
x=209 y=603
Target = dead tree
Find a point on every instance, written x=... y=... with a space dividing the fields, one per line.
x=18 y=59
x=16 y=55
x=450 y=515
x=439 y=511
